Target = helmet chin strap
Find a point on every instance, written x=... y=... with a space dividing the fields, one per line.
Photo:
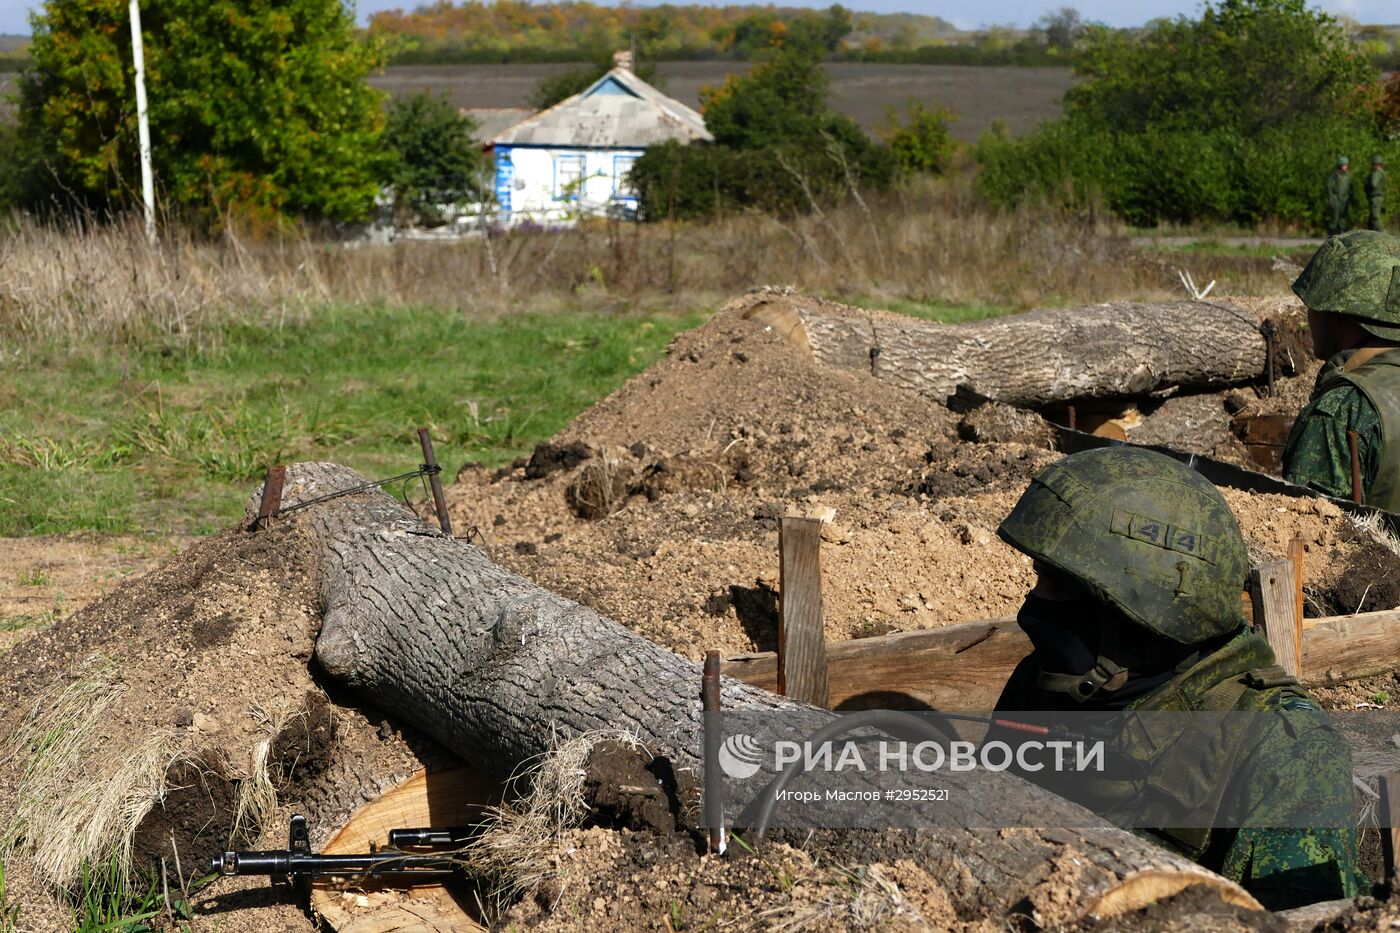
x=1106 y=674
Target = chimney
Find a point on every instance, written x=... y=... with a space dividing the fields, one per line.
x=623 y=59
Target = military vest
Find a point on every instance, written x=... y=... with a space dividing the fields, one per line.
x=1378 y=379
x=1183 y=764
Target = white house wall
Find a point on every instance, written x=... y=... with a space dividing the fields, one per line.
x=529 y=186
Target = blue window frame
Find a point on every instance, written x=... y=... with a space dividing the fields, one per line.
x=622 y=164
x=568 y=169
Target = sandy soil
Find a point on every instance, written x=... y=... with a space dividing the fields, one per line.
x=693 y=463
x=658 y=506
x=47 y=579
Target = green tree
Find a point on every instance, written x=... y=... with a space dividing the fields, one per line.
x=1245 y=64
x=257 y=108
x=1062 y=28
x=778 y=146
x=432 y=159
x=922 y=142
x=782 y=100
x=1234 y=116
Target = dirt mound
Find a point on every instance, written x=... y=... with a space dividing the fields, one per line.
x=670 y=525
x=630 y=881
x=204 y=663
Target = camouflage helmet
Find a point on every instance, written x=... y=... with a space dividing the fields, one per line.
x=1146 y=534
x=1343 y=160
x=1378 y=159
x=1356 y=274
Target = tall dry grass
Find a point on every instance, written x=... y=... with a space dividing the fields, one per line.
x=932 y=241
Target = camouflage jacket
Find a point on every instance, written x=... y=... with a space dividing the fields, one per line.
x=1375 y=185
x=1338 y=188
x=1288 y=771
x=1317 y=454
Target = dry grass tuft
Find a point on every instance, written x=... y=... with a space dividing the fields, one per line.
x=256 y=803
x=78 y=802
x=600 y=487
x=930 y=241
x=518 y=850
x=1372 y=526
x=859 y=899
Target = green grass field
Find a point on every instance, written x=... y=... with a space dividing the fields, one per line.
x=156 y=440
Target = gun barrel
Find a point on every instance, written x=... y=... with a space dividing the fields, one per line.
x=285 y=862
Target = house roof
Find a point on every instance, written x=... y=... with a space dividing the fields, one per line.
x=619 y=110
x=490 y=122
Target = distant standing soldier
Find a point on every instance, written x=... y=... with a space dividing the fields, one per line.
x=1352 y=292
x=1338 y=196
x=1375 y=191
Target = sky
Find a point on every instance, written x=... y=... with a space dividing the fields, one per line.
x=14 y=13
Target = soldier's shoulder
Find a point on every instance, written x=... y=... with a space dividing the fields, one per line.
x=1343 y=399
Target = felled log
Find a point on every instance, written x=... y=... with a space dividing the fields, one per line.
x=497 y=668
x=1040 y=358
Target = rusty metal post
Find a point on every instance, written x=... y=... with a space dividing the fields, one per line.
x=271 y=497
x=435 y=481
x=1355 y=468
x=714 y=729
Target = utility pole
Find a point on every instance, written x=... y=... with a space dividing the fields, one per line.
x=148 y=187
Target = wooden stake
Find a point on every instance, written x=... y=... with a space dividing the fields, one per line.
x=801 y=631
x=1390 y=822
x=1295 y=556
x=1275 y=610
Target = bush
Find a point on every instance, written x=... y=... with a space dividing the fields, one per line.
x=702 y=181
x=1236 y=117
x=432 y=160
x=255 y=109
x=922 y=143
x=1179 y=176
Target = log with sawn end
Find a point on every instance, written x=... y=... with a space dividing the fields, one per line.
x=498 y=669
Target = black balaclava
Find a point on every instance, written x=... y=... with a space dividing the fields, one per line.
x=1069 y=637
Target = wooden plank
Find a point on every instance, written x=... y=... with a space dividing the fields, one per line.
x=801 y=629
x=1390 y=823
x=1342 y=648
x=1271 y=587
x=1295 y=555
x=955 y=667
x=963 y=666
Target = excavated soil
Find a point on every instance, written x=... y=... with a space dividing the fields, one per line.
x=210 y=653
x=669 y=524
x=660 y=508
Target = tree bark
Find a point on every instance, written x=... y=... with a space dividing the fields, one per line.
x=497 y=668
x=1040 y=358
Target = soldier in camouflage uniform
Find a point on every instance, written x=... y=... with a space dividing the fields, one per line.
x=1352 y=291
x=1375 y=192
x=1137 y=608
x=1338 y=196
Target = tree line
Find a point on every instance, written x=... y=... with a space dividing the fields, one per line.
x=263 y=114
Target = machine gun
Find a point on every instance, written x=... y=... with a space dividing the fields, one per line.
x=298 y=865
